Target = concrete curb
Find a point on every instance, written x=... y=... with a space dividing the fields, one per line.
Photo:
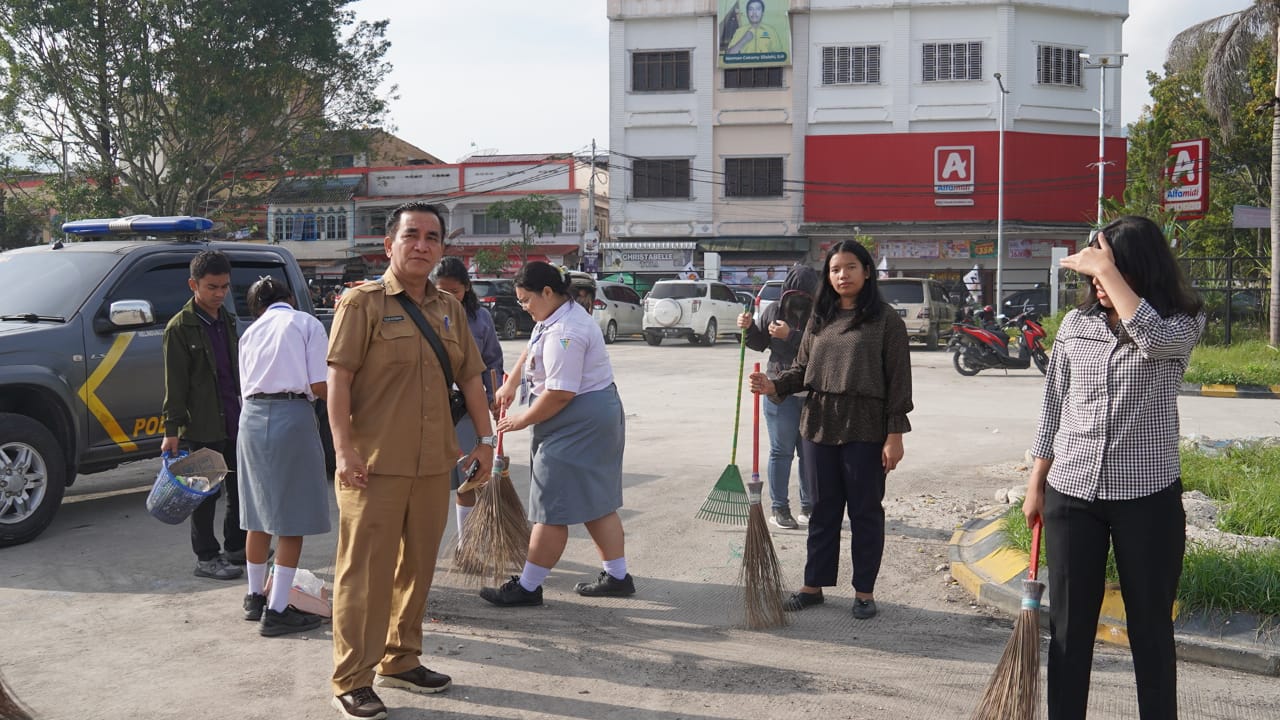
x=1254 y=392
x=993 y=574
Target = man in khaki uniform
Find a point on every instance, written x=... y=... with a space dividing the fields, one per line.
x=395 y=445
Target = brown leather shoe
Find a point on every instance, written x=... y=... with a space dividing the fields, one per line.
x=419 y=680
x=360 y=704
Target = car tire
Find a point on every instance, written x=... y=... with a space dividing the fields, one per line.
x=32 y=450
x=709 y=337
x=611 y=333
x=931 y=338
x=508 y=327
x=653 y=339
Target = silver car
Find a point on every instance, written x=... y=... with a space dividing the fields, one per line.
x=618 y=310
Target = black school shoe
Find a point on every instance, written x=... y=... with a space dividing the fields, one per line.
x=360 y=704
x=254 y=604
x=419 y=680
x=292 y=620
x=512 y=594
x=607 y=585
x=802 y=600
x=864 y=609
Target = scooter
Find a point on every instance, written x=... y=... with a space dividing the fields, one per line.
x=986 y=346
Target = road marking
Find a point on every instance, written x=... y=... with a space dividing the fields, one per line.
x=88 y=390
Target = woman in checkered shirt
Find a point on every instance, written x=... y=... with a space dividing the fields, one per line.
x=1106 y=461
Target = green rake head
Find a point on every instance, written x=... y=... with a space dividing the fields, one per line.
x=728 y=502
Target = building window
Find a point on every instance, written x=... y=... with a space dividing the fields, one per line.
x=1058 y=66
x=660 y=71
x=746 y=78
x=342 y=161
x=570 y=222
x=482 y=224
x=753 y=177
x=660 y=178
x=952 y=61
x=851 y=65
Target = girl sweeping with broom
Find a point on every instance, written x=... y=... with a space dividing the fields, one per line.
x=854 y=362
x=1106 y=466
x=577 y=444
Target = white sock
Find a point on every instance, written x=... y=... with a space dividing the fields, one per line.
x=616 y=567
x=281 y=584
x=462 y=512
x=533 y=575
x=257 y=577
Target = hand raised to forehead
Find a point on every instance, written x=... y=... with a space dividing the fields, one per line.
x=1093 y=260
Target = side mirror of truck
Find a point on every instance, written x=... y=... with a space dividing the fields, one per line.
x=130 y=313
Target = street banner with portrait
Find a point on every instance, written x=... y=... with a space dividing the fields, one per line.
x=754 y=33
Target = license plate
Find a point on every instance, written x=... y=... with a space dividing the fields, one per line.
x=670 y=332
x=902 y=312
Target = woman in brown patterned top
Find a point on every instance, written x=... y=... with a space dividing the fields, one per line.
x=854 y=362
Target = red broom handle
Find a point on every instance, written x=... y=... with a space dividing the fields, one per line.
x=755 y=432
x=498 y=450
x=1035 y=548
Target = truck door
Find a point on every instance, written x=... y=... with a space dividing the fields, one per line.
x=128 y=364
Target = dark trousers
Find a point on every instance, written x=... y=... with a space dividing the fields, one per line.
x=846 y=478
x=1149 y=534
x=203 y=540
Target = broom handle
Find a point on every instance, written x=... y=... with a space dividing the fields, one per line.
x=737 y=407
x=755 y=433
x=1035 y=549
x=497 y=451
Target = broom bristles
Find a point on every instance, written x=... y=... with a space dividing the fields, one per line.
x=495 y=536
x=761 y=575
x=1014 y=690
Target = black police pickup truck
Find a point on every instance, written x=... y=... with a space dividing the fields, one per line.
x=81 y=368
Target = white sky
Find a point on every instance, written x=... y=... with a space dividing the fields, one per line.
x=525 y=76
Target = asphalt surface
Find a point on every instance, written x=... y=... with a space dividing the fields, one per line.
x=103 y=618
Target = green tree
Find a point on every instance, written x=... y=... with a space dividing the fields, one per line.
x=490 y=262
x=536 y=215
x=1230 y=39
x=164 y=107
x=20 y=225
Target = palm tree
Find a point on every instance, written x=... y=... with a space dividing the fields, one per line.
x=1229 y=39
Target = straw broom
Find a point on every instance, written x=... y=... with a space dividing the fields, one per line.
x=761 y=576
x=495 y=537
x=727 y=501
x=1014 y=690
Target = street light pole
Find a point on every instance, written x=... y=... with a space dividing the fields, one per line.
x=1102 y=61
x=1000 y=205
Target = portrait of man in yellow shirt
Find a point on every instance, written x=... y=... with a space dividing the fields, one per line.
x=755 y=37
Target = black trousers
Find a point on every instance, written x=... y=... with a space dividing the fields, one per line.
x=1149 y=534
x=846 y=478
x=203 y=540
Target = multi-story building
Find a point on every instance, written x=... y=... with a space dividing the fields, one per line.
x=875 y=118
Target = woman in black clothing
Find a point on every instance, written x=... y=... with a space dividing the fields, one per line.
x=855 y=365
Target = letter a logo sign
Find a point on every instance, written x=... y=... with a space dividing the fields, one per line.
x=1187 y=178
x=953 y=169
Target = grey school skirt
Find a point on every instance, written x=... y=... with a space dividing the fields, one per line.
x=280 y=462
x=577 y=460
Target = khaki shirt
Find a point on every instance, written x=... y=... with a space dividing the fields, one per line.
x=399 y=406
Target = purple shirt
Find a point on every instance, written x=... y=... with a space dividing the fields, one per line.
x=228 y=390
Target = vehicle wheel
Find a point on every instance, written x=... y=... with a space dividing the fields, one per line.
x=964 y=365
x=653 y=339
x=611 y=333
x=1041 y=360
x=931 y=338
x=33 y=477
x=709 y=338
x=508 y=328
x=694 y=339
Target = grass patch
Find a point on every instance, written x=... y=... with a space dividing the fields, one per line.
x=1213 y=579
x=1244 y=363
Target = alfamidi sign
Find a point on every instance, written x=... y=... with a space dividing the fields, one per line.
x=1187 y=179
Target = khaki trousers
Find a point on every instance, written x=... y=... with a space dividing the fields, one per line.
x=388 y=537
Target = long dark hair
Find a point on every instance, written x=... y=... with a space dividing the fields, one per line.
x=537 y=275
x=267 y=291
x=452 y=267
x=1145 y=260
x=867 y=306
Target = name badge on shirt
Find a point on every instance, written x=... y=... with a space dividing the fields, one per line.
x=393 y=318
x=524 y=390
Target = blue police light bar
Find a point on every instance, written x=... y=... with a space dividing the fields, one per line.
x=138 y=225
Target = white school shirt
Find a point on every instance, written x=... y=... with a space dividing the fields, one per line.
x=566 y=352
x=284 y=350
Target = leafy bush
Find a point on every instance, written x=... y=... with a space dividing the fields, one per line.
x=1243 y=363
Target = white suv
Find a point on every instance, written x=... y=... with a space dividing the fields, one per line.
x=696 y=310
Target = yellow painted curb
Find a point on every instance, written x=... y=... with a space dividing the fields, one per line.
x=1222 y=391
x=1003 y=565
x=966 y=577
x=978 y=536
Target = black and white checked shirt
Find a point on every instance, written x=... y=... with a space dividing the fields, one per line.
x=1109 y=418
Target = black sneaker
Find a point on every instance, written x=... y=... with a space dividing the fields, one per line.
x=782 y=518
x=802 y=600
x=806 y=512
x=292 y=620
x=864 y=609
x=512 y=593
x=360 y=704
x=607 y=585
x=419 y=680
x=254 y=604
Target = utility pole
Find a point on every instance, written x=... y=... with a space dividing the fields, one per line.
x=1102 y=61
x=590 y=236
x=999 y=304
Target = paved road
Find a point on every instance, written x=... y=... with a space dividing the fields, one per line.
x=104 y=620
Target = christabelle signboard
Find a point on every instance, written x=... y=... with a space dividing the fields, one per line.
x=1187 y=179
x=754 y=33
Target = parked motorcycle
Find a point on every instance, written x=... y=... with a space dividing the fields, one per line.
x=983 y=345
